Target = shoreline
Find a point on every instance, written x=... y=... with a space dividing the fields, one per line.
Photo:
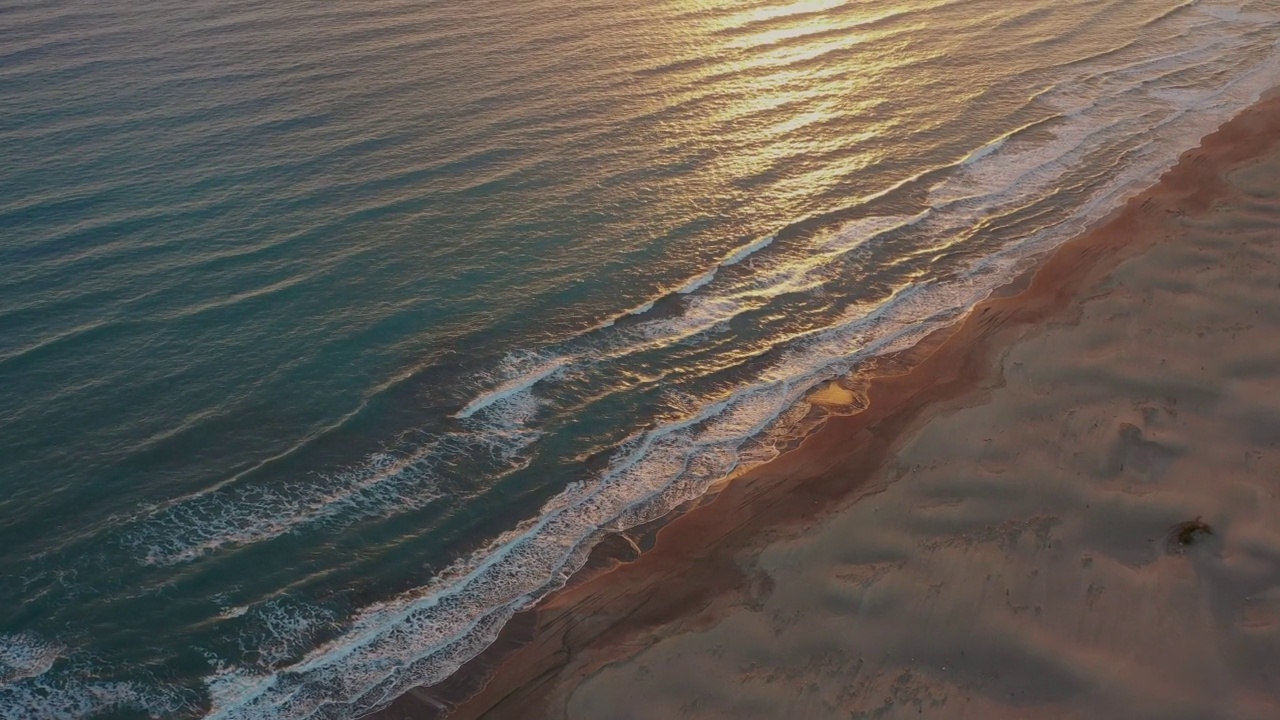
x=636 y=585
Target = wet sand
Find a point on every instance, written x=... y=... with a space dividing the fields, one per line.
x=995 y=534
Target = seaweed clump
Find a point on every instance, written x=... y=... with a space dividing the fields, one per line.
x=1185 y=534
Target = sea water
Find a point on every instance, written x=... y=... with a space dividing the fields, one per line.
x=334 y=334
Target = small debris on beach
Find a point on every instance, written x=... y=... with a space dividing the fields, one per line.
x=1186 y=534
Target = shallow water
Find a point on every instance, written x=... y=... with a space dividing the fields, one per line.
x=332 y=336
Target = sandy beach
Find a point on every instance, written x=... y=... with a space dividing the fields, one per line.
x=1064 y=507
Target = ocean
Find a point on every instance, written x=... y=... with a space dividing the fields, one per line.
x=334 y=334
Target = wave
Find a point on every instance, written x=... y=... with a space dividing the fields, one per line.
x=984 y=151
x=496 y=428
x=44 y=679
x=711 y=304
x=245 y=515
x=694 y=284
x=26 y=656
x=385 y=484
x=698 y=282
x=748 y=250
x=501 y=421
x=423 y=636
x=997 y=173
x=738 y=256
x=529 y=369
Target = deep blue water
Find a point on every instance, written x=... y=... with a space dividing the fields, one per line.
x=333 y=334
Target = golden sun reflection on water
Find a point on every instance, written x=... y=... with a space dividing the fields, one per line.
x=763 y=14
x=792 y=80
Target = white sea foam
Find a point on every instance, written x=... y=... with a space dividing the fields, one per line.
x=245 y=515
x=697 y=282
x=519 y=372
x=41 y=679
x=73 y=699
x=496 y=429
x=771 y=278
x=747 y=251
x=736 y=257
x=23 y=655
x=233 y=612
x=1004 y=171
x=984 y=151
x=279 y=631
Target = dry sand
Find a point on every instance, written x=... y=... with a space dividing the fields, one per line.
x=993 y=536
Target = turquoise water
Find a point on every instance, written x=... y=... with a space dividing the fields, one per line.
x=331 y=335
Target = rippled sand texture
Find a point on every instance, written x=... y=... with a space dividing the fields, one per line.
x=1018 y=562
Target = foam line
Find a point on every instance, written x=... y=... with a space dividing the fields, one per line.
x=748 y=251
x=736 y=257
x=515 y=385
x=697 y=282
